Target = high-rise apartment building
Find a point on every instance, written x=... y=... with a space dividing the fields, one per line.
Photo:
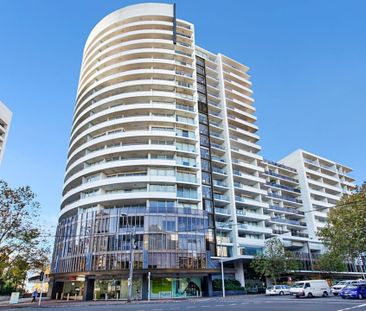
x=163 y=158
x=5 y=119
x=322 y=183
x=163 y=170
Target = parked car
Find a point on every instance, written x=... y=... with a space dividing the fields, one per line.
x=310 y=288
x=354 y=291
x=278 y=290
x=335 y=289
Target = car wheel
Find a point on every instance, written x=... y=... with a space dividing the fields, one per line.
x=297 y=296
x=360 y=296
x=343 y=297
x=281 y=293
x=325 y=294
x=310 y=295
x=335 y=294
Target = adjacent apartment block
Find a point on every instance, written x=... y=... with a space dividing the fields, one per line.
x=5 y=119
x=322 y=183
x=163 y=170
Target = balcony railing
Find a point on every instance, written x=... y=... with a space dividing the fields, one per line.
x=288 y=221
x=280 y=165
x=286 y=209
x=281 y=176
x=284 y=197
x=272 y=184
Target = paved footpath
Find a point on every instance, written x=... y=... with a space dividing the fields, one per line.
x=233 y=303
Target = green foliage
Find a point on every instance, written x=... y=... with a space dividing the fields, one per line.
x=275 y=260
x=345 y=232
x=20 y=236
x=330 y=262
x=229 y=285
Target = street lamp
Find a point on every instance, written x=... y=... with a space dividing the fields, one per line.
x=130 y=277
x=222 y=261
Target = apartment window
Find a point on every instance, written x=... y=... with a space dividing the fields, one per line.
x=186 y=161
x=187 y=192
x=169 y=225
x=206 y=165
x=161 y=172
x=201 y=88
x=204 y=140
x=206 y=192
x=203 y=118
x=207 y=205
x=200 y=70
x=162 y=188
x=202 y=98
x=200 y=61
x=205 y=153
x=201 y=79
x=204 y=129
x=206 y=178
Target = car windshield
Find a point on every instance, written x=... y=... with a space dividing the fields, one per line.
x=298 y=285
x=351 y=287
x=342 y=283
x=270 y=287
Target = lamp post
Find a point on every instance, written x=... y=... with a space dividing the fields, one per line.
x=130 y=277
x=222 y=261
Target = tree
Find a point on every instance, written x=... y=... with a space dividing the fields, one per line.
x=275 y=261
x=345 y=232
x=21 y=238
x=330 y=262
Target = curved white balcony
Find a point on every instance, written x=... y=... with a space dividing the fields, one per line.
x=101 y=76
x=110 y=33
x=119 y=150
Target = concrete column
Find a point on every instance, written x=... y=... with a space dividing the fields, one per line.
x=88 y=288
x=207 y=286
x=55 y=287
x=239 y=273
x=144 y=289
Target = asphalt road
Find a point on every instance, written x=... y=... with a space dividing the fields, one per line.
x=247 y=303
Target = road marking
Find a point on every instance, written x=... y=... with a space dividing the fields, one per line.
x=351 y=308
x=219 y=305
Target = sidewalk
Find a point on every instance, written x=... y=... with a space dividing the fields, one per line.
x=63 y=303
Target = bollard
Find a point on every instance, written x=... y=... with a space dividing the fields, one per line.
x=68 y=297
x=75 y=297
x=197 y=293
x=117 y=296
x=106 y=296
x=62 y=296
x=95 y=296
x=56 y=296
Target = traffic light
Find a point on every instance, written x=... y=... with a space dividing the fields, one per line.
x=41 y=276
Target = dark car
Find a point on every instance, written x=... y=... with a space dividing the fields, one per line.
x=354 y=291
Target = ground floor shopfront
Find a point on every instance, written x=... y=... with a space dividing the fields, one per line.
x=144 y=285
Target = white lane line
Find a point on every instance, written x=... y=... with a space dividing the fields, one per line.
x=219 y=305
x=351 y=308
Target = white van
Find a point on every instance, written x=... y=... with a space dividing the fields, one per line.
x=310 y=288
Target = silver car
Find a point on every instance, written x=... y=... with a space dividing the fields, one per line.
x=278 y=290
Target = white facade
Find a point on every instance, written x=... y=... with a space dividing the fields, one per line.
x=159 y=119
x=5 y=119
x=322 y=183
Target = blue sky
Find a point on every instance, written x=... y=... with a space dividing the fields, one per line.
x=307 y=60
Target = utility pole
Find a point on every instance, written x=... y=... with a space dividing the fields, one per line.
x=222 y=266
x=130 y=277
